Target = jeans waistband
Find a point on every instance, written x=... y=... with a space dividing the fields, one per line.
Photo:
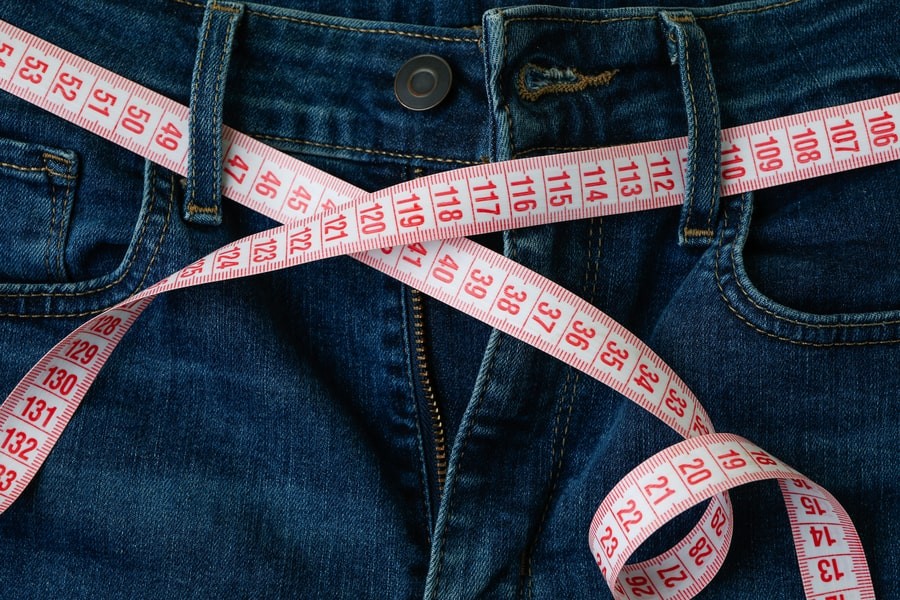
x=523 y=79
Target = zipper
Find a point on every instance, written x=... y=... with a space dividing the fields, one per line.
x=438 y=437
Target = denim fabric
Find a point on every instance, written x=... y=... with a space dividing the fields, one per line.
x=270 y=437
x=203 y=194
x=689 y=50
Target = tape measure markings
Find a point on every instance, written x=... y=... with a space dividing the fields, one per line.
x=738 y=463
x=254 y=174
x=245 y=153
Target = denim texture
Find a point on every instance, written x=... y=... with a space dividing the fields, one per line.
x=269 y=437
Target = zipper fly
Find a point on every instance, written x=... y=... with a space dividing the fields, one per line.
x=434 y=411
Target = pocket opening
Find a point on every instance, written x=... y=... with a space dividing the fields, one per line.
x=750 y=302
x=87 y=297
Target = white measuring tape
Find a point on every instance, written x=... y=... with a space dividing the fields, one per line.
x=414 y=232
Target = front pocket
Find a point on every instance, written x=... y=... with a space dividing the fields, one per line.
x=37 y=185
x=132 y=271
x=821 y=264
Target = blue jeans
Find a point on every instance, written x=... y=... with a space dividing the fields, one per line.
x=326 y=432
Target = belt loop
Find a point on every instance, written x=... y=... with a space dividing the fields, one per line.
x=687 y=47
x=203 y=196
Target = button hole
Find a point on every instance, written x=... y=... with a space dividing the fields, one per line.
x=535 y=81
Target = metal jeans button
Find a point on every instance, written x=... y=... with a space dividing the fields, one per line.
x=423 y=82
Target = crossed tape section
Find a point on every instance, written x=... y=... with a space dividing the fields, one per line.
x=414 y=232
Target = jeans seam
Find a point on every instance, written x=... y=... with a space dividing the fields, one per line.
x=787 y=319
x=52 y=226
x=376 y=31
x=692 y=158
x=555 y=469
x=741 y=11
x=314 y=23
x=44 y=169
x=509 y=127
x=525 y=151
x=217 y=109
x=719 y=15
x=758 y=329
x=582 y=21
x=377 y=151
x=747 y=11
x=554 y=476
x=462 y=453
x=138 y=246
x=426 y=508
x=66 y=210
x=194 y=94
x=60 y=246
x=715 y=133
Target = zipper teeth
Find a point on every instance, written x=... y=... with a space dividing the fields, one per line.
x=437 y=422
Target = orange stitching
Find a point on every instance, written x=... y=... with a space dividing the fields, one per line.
x=21 y=168
x=581 y=21
x=195 y=92
x=698 y=232
x=551 y=149
x=707 y=62
x=36 y=169
x=509 y=126
x=56 y=157
x=582 y=82
x=313 y=23
x=112 y=283
x=743 y=319
x=228 y=9
x=646 y=18
x=448 y=495
x=787 y=319
x=555 y=475
x=52 y=223
x=691 y=191
x=192 y=4
x=204 y=210
x=162 y=236
x=60 y=247
x=364 y=150
x=747 y=11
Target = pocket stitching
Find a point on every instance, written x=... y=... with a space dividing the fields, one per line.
x=54 y=238
x=747 y=295
x=61 y=238
x=64 y=211
x=756 y=328
x=52 y=225
x=138 y=245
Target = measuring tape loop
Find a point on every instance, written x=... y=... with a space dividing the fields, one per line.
x=699 y=468
x=414 y=232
